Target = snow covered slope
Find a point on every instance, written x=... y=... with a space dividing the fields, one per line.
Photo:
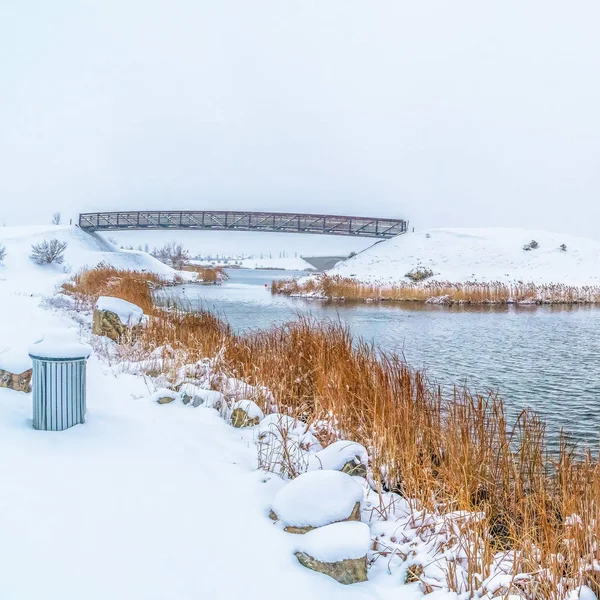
x=488 y=254
x=82 y=250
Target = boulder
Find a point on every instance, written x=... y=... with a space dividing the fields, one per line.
x=108 y=324
x=19 y=382
x=316 y=499
x=246 y=413
x=338 y=550
x=114 y=317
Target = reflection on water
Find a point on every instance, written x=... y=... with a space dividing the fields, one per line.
x=547 y=358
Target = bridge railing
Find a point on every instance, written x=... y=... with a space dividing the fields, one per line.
x=244 y=221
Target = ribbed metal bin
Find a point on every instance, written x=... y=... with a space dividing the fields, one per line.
x=59 y=392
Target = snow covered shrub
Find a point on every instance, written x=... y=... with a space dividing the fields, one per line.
x=427 y=235
x=533 y=245
x=563 y=247
x=2 y=253
x=47 y=252
x=419 y=274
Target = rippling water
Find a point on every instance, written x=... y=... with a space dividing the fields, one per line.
x=547 y=358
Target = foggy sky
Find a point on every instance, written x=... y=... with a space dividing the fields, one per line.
x=462 y=113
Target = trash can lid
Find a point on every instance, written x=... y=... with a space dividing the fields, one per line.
x=60 y=345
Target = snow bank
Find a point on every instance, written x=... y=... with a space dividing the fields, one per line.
x=486 y=254
x=129 y=314
x=336 y=542
x=317 y=498
x=83 y=250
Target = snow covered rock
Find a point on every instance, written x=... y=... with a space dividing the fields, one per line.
x=114 y=317
x=19 y=382
x=348 y=457
x=246 y=413
x=338 y=550
x=316 y=499
x=165 y=396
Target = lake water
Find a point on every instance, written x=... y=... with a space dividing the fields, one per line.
x=547 y=358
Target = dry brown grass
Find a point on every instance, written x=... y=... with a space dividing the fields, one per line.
x=206 y=274
x=457 y=452
x=340 y=288
x=133 y=286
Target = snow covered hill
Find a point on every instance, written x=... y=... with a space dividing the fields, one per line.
x=487 y=254
x=83 y=249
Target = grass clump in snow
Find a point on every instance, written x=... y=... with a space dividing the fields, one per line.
x=206 y=274
x=419 y=274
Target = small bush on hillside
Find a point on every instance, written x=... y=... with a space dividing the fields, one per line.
x=563 y=247
x=428 y=235
x=419 y=274
x=48 y=252
x=56 y=218
x=173 y=254
x=533 y=245
x=2 y=253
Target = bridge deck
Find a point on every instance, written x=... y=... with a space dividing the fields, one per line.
x=244 y=221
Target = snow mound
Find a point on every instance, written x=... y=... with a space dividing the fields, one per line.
x=129 y=314
x=83 y=250
x=336 y=455
x=60 y=344
x=317 y=498
x=336 y=542
x=485 y=254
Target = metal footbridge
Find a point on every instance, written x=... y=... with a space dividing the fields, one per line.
x=223 y=220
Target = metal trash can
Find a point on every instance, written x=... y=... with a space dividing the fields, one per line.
x=58 y=382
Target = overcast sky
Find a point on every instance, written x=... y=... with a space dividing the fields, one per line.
x=453 y=113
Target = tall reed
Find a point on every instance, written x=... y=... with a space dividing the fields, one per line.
x=456 y=452
x=437 y=292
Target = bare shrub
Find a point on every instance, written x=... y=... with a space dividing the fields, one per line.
x=48 y=252
x=419 y=274
x=56 y=218
x=563 y=247
x=173 y=254
x=2 y=253
x=533 y=245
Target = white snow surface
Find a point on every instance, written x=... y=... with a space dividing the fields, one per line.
x=485 y=254
x=337 y=454
x=129 y=314
x=317 y=498
x=289 y=263
x=336 y=542
x=60 y=344
x=24 y=284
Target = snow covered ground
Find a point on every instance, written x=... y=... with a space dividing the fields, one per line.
x=289 y=263
x=143 y=501
x=487 y=254
x=23 y=284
